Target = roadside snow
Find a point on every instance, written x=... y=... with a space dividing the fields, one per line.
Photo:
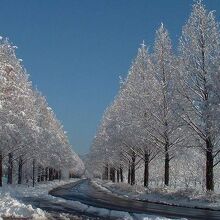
x=40 y=190
x=11 y=204
x=179 y=197
x=121 y=215
x=152 y=217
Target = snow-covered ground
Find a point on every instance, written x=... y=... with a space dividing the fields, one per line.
x=11 y=204
x=179 y=197
x=11 y=199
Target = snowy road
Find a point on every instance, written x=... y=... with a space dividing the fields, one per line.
x=84 y=191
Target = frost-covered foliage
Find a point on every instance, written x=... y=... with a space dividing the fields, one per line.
x=164 y=122
x=33 y=142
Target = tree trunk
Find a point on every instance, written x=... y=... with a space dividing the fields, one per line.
x=33 y=174
x=167 y=166
x=46 y=174
x=10 y=167
x=112 y=174
x=121 y=174
x=54 y=174
x=1 y=158
x=209 y=166
x=146 y=169
x=105 y=175
x=118 y=174
x=38 y=174
x=50 y=174
x=59 y=175
x=133 y=168
x=20 y=165
x=129 y=173
x=42 y=174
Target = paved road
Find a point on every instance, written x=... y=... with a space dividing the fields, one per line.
x=89 y=194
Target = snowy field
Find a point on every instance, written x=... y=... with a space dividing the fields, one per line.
x=11 y=204
x=179 y=197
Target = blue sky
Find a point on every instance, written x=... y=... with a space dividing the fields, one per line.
x=75 y=50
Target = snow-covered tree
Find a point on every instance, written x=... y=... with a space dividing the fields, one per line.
x=30 y=133
x=167 y=110
x=137 y=97
x=164 y=127
x=199 y=84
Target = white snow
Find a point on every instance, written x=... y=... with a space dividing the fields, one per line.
x=186 y=198
x=11 y=204
x=121 y=215
x=98 y=211
x=11 y=199
x=151 y=217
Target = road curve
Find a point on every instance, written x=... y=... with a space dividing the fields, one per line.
x=85 y=192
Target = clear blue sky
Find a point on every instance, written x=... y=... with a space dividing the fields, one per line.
x=75 y=50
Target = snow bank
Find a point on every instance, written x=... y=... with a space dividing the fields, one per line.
x=11 y=204
x=151 y=217
x=101 y=212
x=40 y=190
x=188 y=198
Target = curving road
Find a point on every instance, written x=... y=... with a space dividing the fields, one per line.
x=84 y=191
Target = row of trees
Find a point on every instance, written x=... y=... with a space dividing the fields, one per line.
x=166 y=116
x=33 y=142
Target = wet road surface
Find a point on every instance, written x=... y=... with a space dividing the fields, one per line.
x=84 y=191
